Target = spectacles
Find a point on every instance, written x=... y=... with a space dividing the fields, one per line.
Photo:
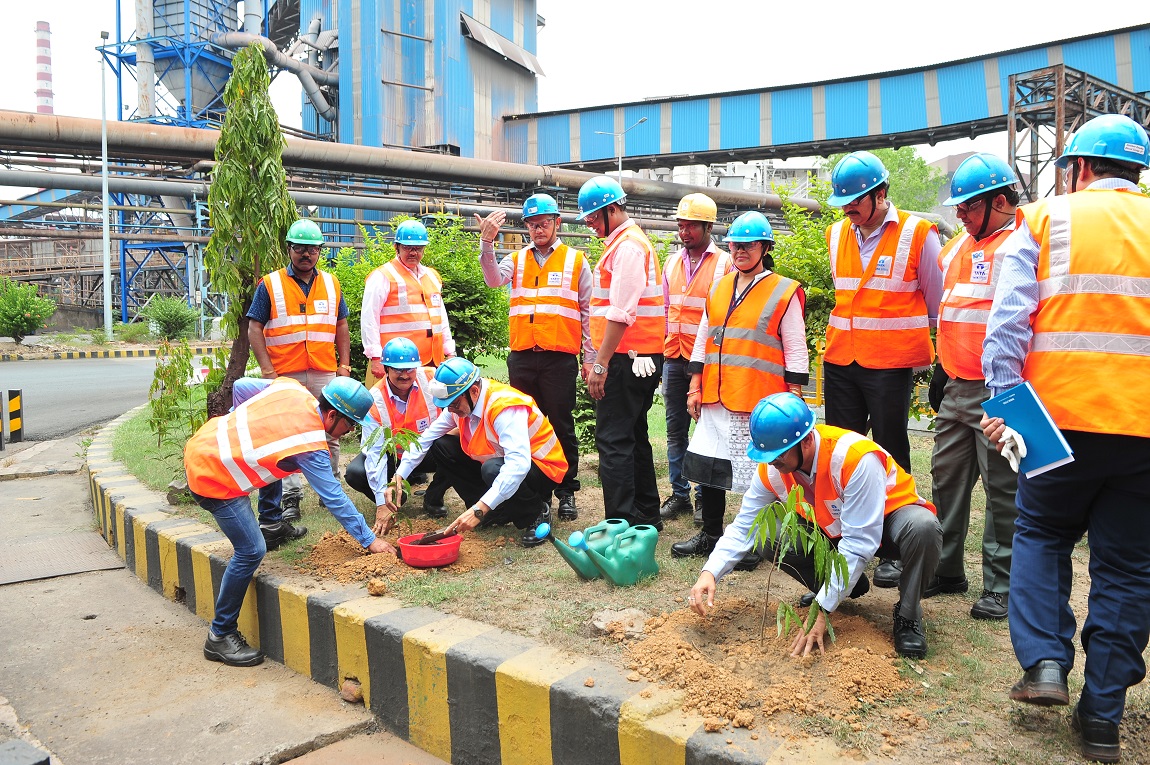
x=300 y=249
x=741 y=246
x=537 y=225
x=965 y=207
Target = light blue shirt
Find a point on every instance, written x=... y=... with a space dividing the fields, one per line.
x=1009 y=330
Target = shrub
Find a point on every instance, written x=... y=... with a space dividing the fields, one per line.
x=137 y=332
x=22 y=310
x=173 y=317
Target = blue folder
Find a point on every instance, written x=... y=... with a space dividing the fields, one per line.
x=1021 y=408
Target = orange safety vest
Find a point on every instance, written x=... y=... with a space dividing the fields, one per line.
x=970 y=269
x=421 y=410
x=233 y=454
x=645 y=335
x=300 y=335
x=687 y=299
x=545 y=301
x=481 y=445
x=839 y=453
x=744 y=359
x=408 y=311
x=1090 y=353
x=879 y=318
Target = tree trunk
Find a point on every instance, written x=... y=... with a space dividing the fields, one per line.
x=220 y=400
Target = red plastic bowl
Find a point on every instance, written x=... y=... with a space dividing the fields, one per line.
x=441 y=553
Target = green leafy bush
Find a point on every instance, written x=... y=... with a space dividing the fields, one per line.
x=803 y=255
x=136 y=332
x=173 y=317
x=22 y=310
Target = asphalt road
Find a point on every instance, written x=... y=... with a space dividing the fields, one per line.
x=63 y=397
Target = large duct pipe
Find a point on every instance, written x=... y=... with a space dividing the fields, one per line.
x=56 y=134
x=253 y=17
x=273 y=55
x=145 y=62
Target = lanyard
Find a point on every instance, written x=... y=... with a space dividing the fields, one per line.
x=736 y=300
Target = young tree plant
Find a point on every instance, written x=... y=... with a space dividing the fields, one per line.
x=785 y=526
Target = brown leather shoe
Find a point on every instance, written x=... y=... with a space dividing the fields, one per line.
x=1100 y=741
x=1044 y=684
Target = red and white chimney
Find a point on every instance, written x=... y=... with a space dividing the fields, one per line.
x=44 y=103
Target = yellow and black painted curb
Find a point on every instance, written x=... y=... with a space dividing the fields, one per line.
x=461 y=690
x=116 y=353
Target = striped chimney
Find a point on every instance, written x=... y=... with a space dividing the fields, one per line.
x=44 y=104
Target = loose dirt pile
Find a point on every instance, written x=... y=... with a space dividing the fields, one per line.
x=729 y=677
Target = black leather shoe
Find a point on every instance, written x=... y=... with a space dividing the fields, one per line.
x=231 y=649
x=529 y=539
x=673 y=505
x=1044 y=684
x=275 y=534
x=888 y=573
x=698 y=546
x=291 y=510
x=992 y=606
x=1100 y=741
x=567 y=510
x=749 y=562
x=950 y=585
x=909 y=639
x=862 y=587
x=432 y=510
x=698 y=516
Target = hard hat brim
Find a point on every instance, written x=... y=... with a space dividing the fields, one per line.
x=403 y=365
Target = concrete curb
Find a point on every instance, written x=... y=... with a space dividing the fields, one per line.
x=461 y=690
x=118 y=353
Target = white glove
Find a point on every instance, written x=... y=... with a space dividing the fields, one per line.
x=1013 y=447
x=643 y=366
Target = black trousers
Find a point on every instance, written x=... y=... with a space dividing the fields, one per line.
x=626 y=464
x=471 y=479
x=856 y=395
x=549 y=378
x=356 y=477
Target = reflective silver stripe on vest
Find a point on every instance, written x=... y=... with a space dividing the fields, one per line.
x=381 y=406
x=224 y=447
x=838 y=460
x=845 y=283
x=834 y=238
x=755 y=335
x=949 y=257
x=839 y=322
x=902 y=251
x=1093 y=342
x=1092 y=284
x=746 y=362
x=278 y=294
x=899 y=322
x=1058 y=208
x=247 y=448
x=976 y=291
x=964 y=315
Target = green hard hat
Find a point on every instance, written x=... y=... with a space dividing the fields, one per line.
x=304 y=231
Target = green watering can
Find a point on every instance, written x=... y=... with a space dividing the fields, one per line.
x=630 y=557
x=575 y=551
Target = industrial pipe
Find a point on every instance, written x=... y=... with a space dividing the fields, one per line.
x=273 y=55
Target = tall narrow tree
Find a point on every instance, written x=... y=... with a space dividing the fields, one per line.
x=249 y=206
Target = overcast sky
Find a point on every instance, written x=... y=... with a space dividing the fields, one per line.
x=607 y=51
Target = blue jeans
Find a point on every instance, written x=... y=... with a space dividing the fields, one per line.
x=676 y=383
x=235 y=519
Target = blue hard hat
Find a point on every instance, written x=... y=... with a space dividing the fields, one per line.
x=778 y=422
x=854 y=175
x=349 y=398
x=401 y=353
x=539 y=204
x=979 y=174
x=750 y=227
x=452 y=378
x=1110 y=136
x=597 y=193
x=411 y=232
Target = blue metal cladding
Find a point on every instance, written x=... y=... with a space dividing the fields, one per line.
x=503 y=18
x=515 y=141
x=1013 y=63
x=642 y=139
x=371 y=112
x=792 y=116
x=530 y=31
x=413 y=21
x=1095 y=56
x=739 y=121
x=903 y=103
x=690 y=125
x=1140 y=59
x=846 y=109
x=554 y=139
x=591 y=144
x=962 y=92
x=346 y=86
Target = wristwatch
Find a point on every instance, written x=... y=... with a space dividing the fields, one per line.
x=598 y=369
x=478 y=513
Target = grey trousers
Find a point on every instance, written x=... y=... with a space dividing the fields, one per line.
x=913 y=535
x=961 y=455
x=313 y=380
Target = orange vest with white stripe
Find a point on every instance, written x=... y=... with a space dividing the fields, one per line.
x=482 y=444
x=421 y=409
x=839 y=453
x=879 y=318
x=645 y=335
x=300 y=335
x=412 y=310
x=1090 y=354
x=686 y=299
x=233 y=454
x=545 y=300
x=970 y=271
x=744 y=359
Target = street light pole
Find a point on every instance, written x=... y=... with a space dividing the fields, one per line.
x=104 y=194
x=619 y=143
